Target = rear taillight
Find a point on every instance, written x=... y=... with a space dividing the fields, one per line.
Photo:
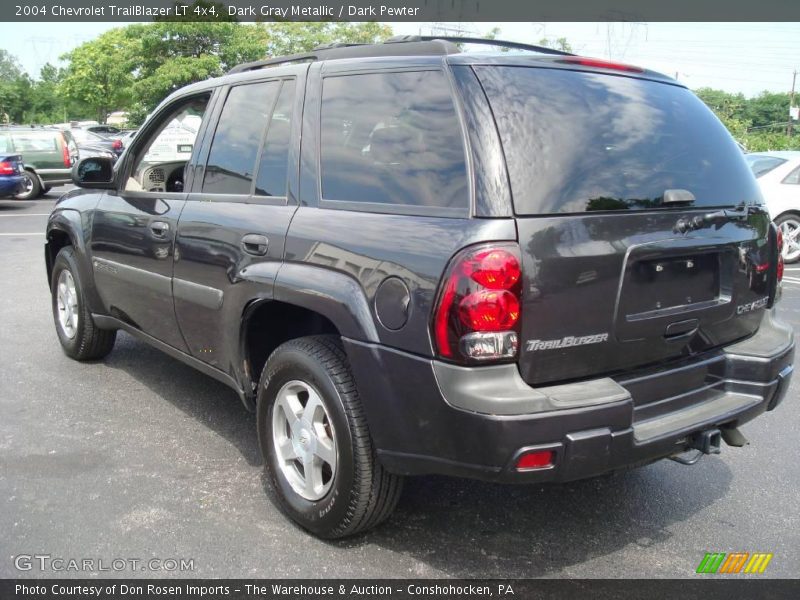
x=780 y=255
x=477 y=316
x=117 y=145
x=8 y=168
x=65 y=156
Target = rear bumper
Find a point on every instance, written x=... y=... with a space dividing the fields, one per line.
x=10 y=186
x=430 y=417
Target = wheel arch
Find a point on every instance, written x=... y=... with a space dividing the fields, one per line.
x=306 y=300
x=65 y=228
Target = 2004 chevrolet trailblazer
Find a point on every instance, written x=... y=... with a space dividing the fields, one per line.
x=408 y=259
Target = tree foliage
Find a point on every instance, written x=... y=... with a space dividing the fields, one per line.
x=136 y=67
x=758 y=123
x=99 y=74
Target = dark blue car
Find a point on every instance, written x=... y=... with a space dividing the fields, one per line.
x=11 y=178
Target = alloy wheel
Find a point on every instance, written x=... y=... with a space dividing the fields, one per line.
x=790 y=228
x=67 y=304
x=304 y=441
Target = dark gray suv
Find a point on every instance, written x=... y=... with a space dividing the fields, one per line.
x=407 y=259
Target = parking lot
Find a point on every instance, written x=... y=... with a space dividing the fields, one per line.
x=139 y=456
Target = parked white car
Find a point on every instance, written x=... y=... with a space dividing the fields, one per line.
x=778 y=174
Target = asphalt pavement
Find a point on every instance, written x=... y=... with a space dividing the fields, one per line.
x=139 y=457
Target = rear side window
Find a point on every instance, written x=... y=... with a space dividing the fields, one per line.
x=4 y=145
x=761 y=165
x=792 y=178
x=36 y=142
x=234 y=150
x=392 y=138
x=274 y=161
x=580 y=141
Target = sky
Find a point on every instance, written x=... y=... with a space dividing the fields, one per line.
x=735 y=57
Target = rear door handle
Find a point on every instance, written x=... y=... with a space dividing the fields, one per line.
x=255 y=244
x=159 y=228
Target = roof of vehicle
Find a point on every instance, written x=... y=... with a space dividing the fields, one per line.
x=514 y=53
x=784 y=154
x=422 y=50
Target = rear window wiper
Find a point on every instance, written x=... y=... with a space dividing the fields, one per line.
x=718 y=218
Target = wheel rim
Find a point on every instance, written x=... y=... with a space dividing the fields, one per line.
x=304 y=440
x=790 y=228
x=67 y=304
x=28 y=186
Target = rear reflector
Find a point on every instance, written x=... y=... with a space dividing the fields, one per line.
x=601 y=64
x=539 y=459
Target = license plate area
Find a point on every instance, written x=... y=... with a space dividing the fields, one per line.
x=661 y=286
x=658 y=285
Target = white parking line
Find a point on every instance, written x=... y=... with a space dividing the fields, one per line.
x=23 y=234
x=27 y=215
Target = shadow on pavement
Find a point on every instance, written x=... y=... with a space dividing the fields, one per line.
x=469 y=528
x=208 y=401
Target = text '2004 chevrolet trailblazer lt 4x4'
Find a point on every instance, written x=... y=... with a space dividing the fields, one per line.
x=407 y=259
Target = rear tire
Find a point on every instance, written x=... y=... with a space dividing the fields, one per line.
x=80 y=338
x=33 y=188
x=326 y=441
x=789 y=223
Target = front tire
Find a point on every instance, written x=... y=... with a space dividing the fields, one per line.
x=316 y=443
x=32 y=187
x=80 y=338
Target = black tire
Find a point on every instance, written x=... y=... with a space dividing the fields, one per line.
x=790 y=221
x=88 y=342
x=362 y=493
x=33 y=188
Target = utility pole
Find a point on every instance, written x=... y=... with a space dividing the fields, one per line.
x=791 y=104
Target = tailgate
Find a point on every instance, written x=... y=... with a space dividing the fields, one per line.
x=642 y=229
x=604 y=294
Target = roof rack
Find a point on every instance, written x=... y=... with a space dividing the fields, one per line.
x=488 y=42
x=399 y=45
x=434 y=47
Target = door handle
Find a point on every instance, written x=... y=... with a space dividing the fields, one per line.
x=160 y=229
x=255 y=244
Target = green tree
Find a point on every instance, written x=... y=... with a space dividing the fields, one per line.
x=767 y=108
x=14 y=89
x=557 y=44
x=295 y=37
x=100 y=74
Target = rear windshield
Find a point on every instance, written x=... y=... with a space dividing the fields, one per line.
x=579 y=141
x=761 y=165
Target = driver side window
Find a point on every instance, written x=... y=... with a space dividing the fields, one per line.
x=159 y=164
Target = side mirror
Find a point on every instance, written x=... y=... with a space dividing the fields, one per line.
x=94 y=172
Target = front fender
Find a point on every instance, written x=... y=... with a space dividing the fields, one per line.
x=77 y=227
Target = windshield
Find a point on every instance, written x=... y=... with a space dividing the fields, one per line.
x=579 y=141
x=761 y=164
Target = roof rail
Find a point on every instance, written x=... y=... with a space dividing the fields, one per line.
x=400 y=45
x=487 y=42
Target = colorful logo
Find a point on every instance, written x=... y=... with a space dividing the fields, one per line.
x=735 y=562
